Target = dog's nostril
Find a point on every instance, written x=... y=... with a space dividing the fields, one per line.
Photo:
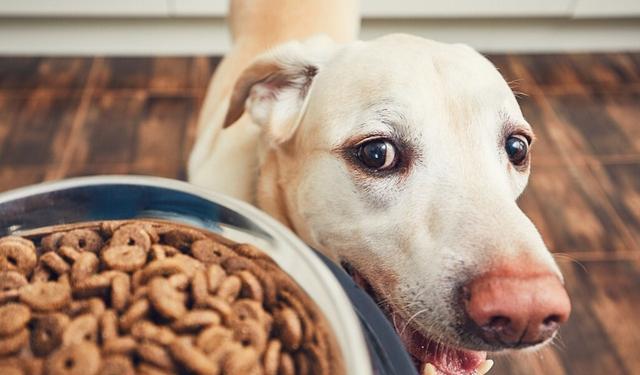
x=551 y=320
x=498 y=322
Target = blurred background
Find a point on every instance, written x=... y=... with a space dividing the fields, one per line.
x=150 y=27
x=94 y=87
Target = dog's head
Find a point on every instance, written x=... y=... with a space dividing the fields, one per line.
x=402 y=158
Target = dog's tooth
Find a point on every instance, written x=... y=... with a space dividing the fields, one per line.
x=485 y=367
x=429 y=369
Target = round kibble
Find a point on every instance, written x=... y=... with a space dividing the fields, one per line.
x=55 y=263
x=181 y=238
x=240 y=361
x=45 y=296
x=119 y=345
x=148 y=369
x=165 y=299
x=192 y=358
x=146 y=331
x=12 y=280
x=19 y=240
x=213 y=338
x=13 y=317
x=194 y=320
x=141 y=297
x=199 y=288
x=127 y=258
x=17 y=256
x=229 y=289
x=84 y=328
x=51 y=242
x=208 y=251
x=290 y=328
x=69 y=253
x=271 y=357
x=135 y=312
x=117 y=365
x=84 y=266
x=132 y=235
x=215 y=275
x=109 y=324
x=46 y=335
x=246 y=309
x=286 y=365
x=79 y=359
x=251 y=287
x=120 y=291
x=82 y=240
x=12 y=344
x=250 y=334
x=156 y=355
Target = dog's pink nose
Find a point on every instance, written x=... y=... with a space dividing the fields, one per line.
x=516 y=309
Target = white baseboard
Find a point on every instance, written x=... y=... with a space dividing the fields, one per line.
x=188 y=36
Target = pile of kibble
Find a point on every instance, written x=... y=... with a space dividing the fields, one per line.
x=144 y=297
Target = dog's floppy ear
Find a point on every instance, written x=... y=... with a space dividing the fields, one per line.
x=273 y=89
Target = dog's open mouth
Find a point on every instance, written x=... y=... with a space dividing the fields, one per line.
x=434 y=358
x=431 y=357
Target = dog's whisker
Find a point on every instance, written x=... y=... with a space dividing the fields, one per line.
x=520 y=94
x=558 y=343
x=566 y=256
x=515 y=82
x=411 y=318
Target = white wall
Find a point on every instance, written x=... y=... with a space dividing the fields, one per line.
x=142 y=27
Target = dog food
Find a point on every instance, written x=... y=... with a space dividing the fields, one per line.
x=147 y=297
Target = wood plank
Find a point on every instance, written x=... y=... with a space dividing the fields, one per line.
x=40 y=117
x=576 y=212
x=604 y=71
x=63 y=72
x=94 y=169
x=161 y=136
x=9 y=108
x=125 y=73
x=590 y=125
x=624 y=111
x=621 y=182
x=109 y=134
x=15 y=177
x=161 y=75
x=635 y=58
x=551 y=70
x=615 y=299
x=18 y=72
x=60 y=73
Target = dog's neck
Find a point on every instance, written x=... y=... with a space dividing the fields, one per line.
x=269 y=193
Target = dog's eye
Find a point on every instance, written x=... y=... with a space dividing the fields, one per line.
x=378 y=154
x=517 y=147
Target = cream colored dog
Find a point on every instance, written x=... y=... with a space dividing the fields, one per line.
x=401 y=159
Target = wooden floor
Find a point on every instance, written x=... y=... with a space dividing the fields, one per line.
x=63 y=117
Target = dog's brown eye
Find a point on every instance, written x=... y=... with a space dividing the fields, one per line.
x=378 y=154
x=517 y=148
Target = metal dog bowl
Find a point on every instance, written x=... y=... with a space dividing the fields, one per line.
x=368 y=343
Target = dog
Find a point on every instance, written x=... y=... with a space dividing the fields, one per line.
x=399 y=158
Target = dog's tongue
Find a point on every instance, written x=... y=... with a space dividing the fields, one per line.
x=445 y=359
